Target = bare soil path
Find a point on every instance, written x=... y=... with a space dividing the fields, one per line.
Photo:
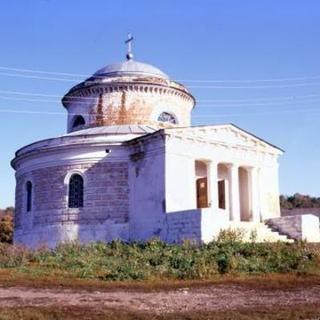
x=213 y=297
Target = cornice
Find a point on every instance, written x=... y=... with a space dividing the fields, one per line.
x=94 y=90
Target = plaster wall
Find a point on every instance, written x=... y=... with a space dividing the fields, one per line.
x=310 y=230
x=147 y=185
x=181 y=155
x=138 y=105
x=198 y=225
x=269 y=192
x=180 y=182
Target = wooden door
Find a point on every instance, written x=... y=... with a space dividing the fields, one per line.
x=202 y=193
x=222 y=194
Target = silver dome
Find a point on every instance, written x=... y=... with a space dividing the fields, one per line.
x=130 y=68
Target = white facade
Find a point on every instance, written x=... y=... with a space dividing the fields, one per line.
x=140 y=171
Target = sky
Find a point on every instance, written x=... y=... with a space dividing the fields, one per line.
x=252 y=63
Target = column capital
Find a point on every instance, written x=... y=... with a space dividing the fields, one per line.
x=251 y=168
x=213 y=162
x=230 y=165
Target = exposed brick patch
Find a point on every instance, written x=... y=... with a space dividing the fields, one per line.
x=137 y=107
x=184 y=225
x=106 y=195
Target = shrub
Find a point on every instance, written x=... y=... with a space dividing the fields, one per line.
x=6 y=228
x=120 y=261
x=13 y=256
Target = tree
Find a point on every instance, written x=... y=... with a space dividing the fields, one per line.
x=299 y=201
x=6 y=225
x=6 y=228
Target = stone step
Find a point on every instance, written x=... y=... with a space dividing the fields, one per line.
x=284 y=227
x=263 y=232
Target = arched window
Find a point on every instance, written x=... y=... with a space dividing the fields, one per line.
x=78 y=121
x=167 y=117
x=29 y=196
x=75 y=191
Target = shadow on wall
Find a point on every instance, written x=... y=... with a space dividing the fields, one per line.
x=184 y=225
x=103 y=216
x=105 y=211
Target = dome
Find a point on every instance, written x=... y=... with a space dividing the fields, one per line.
x=130 y=68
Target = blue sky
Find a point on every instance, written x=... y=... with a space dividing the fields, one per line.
x=228 y=43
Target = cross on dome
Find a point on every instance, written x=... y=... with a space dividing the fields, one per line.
x=129 y=41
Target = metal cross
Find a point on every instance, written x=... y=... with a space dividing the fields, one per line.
x=129 y=43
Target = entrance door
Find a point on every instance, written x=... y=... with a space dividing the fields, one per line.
x=222 y=194
x=202 y=193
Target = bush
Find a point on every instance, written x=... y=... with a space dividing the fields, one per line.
x=120 y=261
x=6 y=228
x=13 y=256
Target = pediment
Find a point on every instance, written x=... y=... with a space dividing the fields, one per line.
x=226 y=134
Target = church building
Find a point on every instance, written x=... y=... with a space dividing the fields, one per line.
x=132 y=167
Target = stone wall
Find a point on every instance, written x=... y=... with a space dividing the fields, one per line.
x=298 y=227
x=106 y=198
x=184 y=225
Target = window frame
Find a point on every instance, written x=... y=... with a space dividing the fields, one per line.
x=70 y=197
x=172 y=115
x=29 y=196
x=75 y=119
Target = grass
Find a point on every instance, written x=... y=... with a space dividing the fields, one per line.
x=156 y=266
x=156 y=261
x=270 y=281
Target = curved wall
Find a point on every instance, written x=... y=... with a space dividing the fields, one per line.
x=128 y=105
x=104 y=215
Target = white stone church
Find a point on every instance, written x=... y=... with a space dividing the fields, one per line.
x=132 y=167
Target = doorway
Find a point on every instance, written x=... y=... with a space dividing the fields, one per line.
x=201 y=169
x=224 y=187
x=222 y=194
x=202 y=193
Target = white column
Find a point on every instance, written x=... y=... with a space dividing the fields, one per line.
x=213 y=186
x=234 y=192
x=254 y=193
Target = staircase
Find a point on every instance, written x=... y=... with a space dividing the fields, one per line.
x=262 y=232
x=287 y=225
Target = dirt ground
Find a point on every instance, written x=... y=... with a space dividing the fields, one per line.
x=209 y=298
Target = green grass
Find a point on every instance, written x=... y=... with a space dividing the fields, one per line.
x=155 y=260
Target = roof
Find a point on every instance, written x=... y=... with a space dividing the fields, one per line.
x=119 y=134
x=130 y=68
x=265 y=141
x=209 y=127
x=107 y=134
x=114 y=130
x=243 y=130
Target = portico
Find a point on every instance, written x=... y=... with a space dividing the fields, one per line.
x=224 y=172
x=229 y=188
